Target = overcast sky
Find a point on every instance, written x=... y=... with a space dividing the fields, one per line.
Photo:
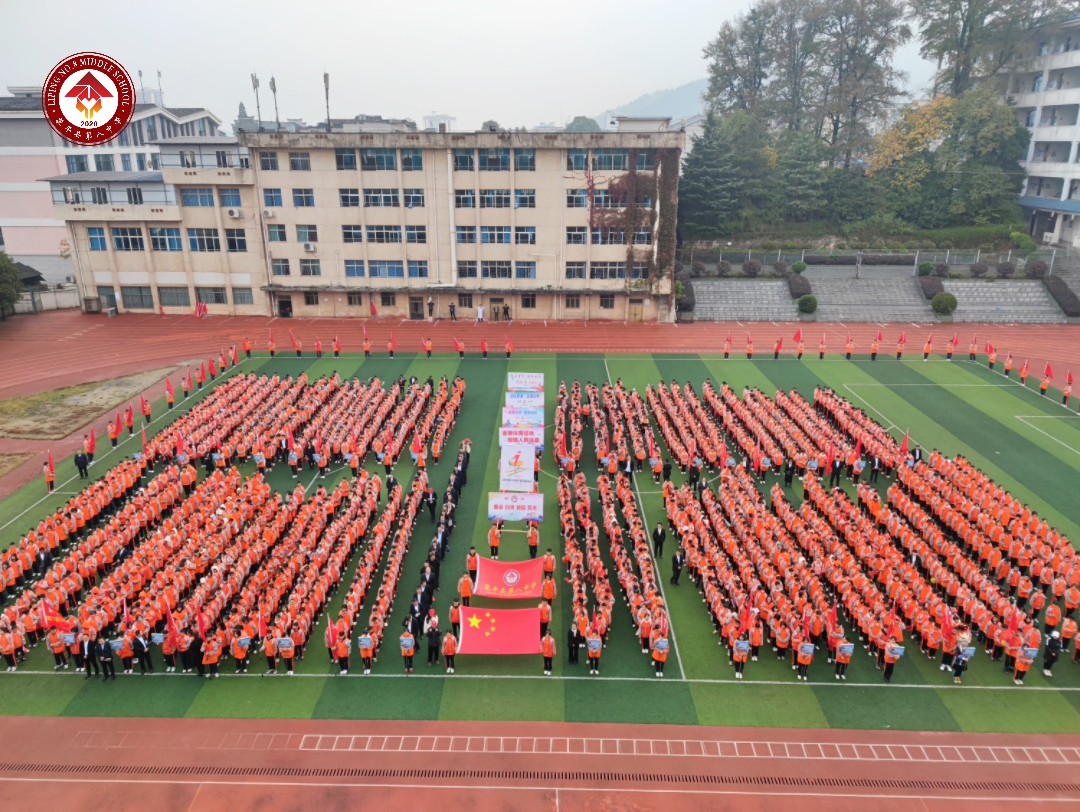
x=519 y=63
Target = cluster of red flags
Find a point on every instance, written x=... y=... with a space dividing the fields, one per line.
x=200 y=310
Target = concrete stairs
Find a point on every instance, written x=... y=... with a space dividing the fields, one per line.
x=743 y=300
x=1016 y=301
x=871 y=300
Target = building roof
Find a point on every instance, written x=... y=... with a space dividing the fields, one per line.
x=18 y=103
x=29 y=276
x=178 y=112
x=106 y=177
x=182 y=140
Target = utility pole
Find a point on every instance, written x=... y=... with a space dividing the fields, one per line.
x=160 y=92
x=273 y=89
x=258 y=110
x=326 y=84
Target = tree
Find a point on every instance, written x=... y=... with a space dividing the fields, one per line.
x=11 y=286
x=490 y=124
x=740 y=64
x=801 y=178
x=795 y=94
x=709 y=191
x=583 y=124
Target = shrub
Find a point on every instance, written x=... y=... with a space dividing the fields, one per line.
x=684 y=298
x=769 y=245
x=1067 y=300
x=1005 y=269
x=931 y=286
x=697 y=268
x=1036 y=269
x=678 y=267
x=1023 y=241
x=944 y=244
x=979 y=269
x=798 y=267
x=808 y=304
x=943 y=304
x=724 y=268
x=780 y=267
x=799 y=286
x=941 y=270
x=925 y=268
x=751 y=268
x=789 y=246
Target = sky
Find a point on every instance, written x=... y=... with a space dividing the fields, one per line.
x=518 y=63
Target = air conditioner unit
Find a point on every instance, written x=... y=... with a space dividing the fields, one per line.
x=234 y=213
x=310 y=247
x=268 y=212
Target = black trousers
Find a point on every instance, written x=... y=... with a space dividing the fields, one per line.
x=449 y=658
x=547 y=663
x=432 y=655
x=108 y=668
x=145 y=663
x=92 y=662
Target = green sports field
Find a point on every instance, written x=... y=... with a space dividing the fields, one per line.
x=1029 y=444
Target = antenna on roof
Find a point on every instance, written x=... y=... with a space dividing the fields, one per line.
x=326 y=84
x=258 y=110
x=161 y=95
x=273 y=89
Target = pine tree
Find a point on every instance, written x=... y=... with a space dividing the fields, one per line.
x=710 y=189
x=801 y=178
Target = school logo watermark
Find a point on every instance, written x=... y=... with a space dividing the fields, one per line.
x=88 y=98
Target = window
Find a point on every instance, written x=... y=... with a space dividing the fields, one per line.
x=108 y=293
x=268 y=161
x=525 y=199
x=354 y=267
x=607 y=301
x=311 y=297
x=299 y=162
x=575 y=270
x=276 y=233
x=617 y=160
x=242 y=296
x=77 y=163
x=642 y=203
x=377 y=159
x=229 y=197
x=153 y=162
x=187 y=158
x=203 y=239
x=463 y=160
x=494 y=198
x=414 y=198
x=608 y=236
x=525 y=160
x=224 y=159
x=103 y=163
x=417 y=269
x=412 y=160
x=495 y=270
x=99 y=195
x=528 y=301
x=128 y=239
x=140 y=162
x=137 y=298
x=416 y=234
x=384 y=233
x=465 y=299
x=577 y=235
x=303 y=198
x=464 y=199
x=386 y=269
x=310 y=267
x=235 y=240
x=356 y=299
x=525 y=235
x=495 y=235
x=577 y=199
x=388 y=300
x=645 y=160
x=603 y=199
x=134 y=196
x=525 y=270
x=174 y=297
x=573 y=301
x=607 y=270
x=381 y=198
x=576 y=159
x=197 y=197
x=165 y=239
x=280 y=267
x=352 y=233
x=97 y=239
x=349 y=198
x=639 y=270
x=307 y=234
x=466 y=235
x=125 y=159
x=643 y=236
x=123 y=140
x=494 y=160
x=346 y=158
x=72 y=195
x=466 y=269
x=271 y=197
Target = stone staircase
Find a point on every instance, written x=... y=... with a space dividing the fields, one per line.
x=871 y=300
x=743 y=300
x=1016 y=301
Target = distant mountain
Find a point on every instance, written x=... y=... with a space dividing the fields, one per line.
x=678 y=102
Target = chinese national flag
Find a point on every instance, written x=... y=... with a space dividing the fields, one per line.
x=509 y=579
x=91 y=441
x=499 y=631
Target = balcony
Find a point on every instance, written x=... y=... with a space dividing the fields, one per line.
x=116 y=212
x=223 y=176
x=1066 y=59
x=1048 y=98
x=1065 y=133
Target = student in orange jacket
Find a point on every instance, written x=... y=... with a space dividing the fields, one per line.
x=547 y=649
x=545 y=617
x=595 y=647
x=449 y=651
x=842 y=658
x=658 y=645
x=494 y=536
x=805 y=657
x=408 y=650
x=365 y=643
x=465 y=585
x=341 y=651
x=1023 y=663
x=239 y=650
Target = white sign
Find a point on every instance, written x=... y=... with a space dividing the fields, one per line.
x=516 y=468
x=528 y=400
x=516 y=507
x=522 y=435
x=515 y=416
x=525 y=381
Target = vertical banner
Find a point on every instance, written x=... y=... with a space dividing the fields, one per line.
x=527 y=400
x=522 y=435
x=525 y=381
x=516 y=468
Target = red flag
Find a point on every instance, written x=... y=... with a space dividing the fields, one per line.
x=948 y=631
x=930 y=340
x=509 y=579
x=91 y=441
x=169 y=388
x=829 y=460
x=729 y=337
x=263 y=631
x=849 y=337
x=52 y=619
x=823 y=337
x=373 y=311
x=745 y=615
x=161 y=310
x=509 y=343
x=119 y=422
x=127 y=615
x=879 y=336
x=1069 y=378
x=331 y=632
x=748 y=339
x=904 y=444
x=423 y=344
x=562 y=446
x=201 y=374
x=202 y=625
x=129 y=418
x=271 y=332
x=170 y=625
x=337 y=344
x=52 y=466
x=989 y=348
x=179 y=445
x=834 y=618
x=757 y=456
x=903 y=338
x=143 y=405
x=364 y=328
x=779 y=344
x=975 y=338
x=806 y=624
x=483 y=344
x=499 y=631
x=1048 y=372
x=798 y=335
x=292 y=339
x=189 y=379
x=393 y=342
x=858 y=447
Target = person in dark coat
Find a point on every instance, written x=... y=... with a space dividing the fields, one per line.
x=677 y=561
x=573 y=640
x=658 y=537
x=82 y=462
x=105 y=658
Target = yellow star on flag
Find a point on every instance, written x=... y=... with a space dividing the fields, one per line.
x=474 y=622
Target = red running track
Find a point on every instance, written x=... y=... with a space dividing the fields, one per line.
x=235 y=765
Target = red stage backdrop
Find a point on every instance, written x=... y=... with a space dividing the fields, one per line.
x=499 y=631
x=509 y=579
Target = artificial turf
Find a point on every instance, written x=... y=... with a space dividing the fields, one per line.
x=1028 y=443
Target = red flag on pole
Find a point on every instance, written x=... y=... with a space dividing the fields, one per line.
x=290 y=438
x=263 y=631
x=798 y=336
x=189 y=379
x=393 y=342
x=729 y=337
x=169 y=388
x=948 y=631
x=170 y=625
x=91 y=441
x=834 y=619
x=52 y=465
x=1048 y=371
x=213 y=368
x=903 y=338
x=179 y=445
x=161 y=310
x=364 y=328
x=879 y=336
x=292 y=339
x=143 y=407
x=904 y=444
x=331 y=632
x=829 y=460
x=779 y=344
x=202 y=625
x=858 y=447
x=1069 y=378
x=509 y=343
x=373 y=311
x=129 y=418
x=989 y=348
x=127 y=615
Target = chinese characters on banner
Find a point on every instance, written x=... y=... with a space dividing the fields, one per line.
x=515 y=416
x=516 y=507
x=522 y=435
x=516 y=468
x=525 y=381
x=528 y=400
x=509 y=580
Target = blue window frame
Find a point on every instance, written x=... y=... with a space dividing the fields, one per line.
x=418 y=269
x=346 y=158
x=464 y=160
x=495 y=235
x=166 y=239
x=525 y=270
x=384 y=234
x=303 y=198
x=577 y=198
x=354 y=267
x=466 y=235
x=271 y=197
x=197 y=197
x=412 y=160
x=494 y=160
x=97 y=239
x=229 y=197
x=386 y=268
x=577 y=159
x=378 y=159
x=525 y=160
x=616 y=160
